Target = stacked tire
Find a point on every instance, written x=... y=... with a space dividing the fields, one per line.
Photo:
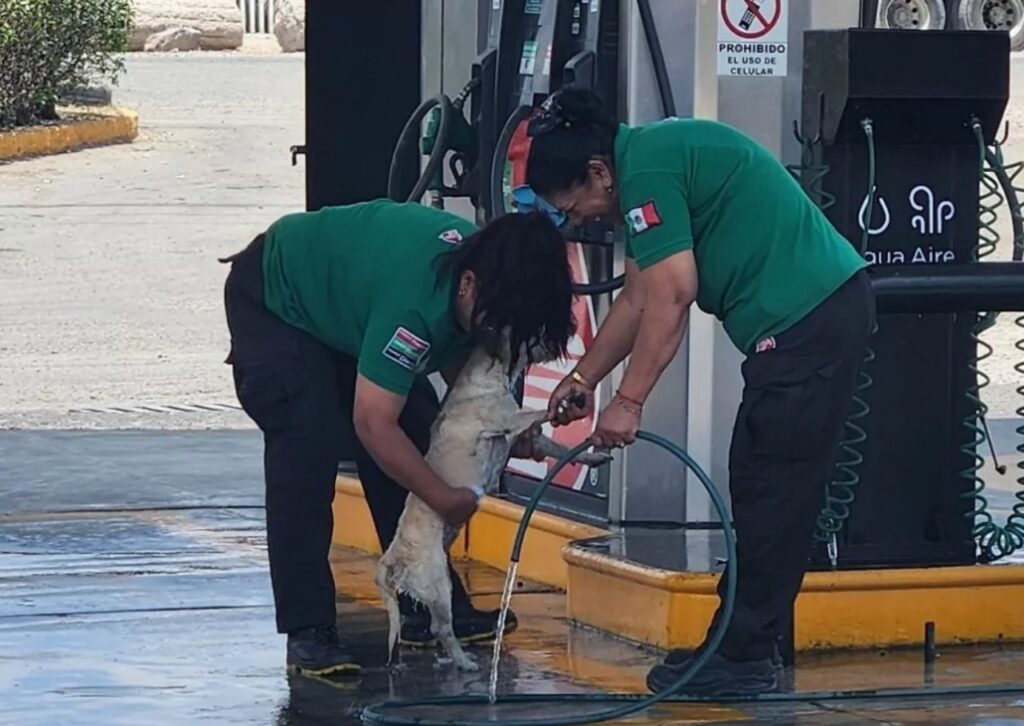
x=1001 y=15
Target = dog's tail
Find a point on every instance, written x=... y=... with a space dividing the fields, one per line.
x=390 y=597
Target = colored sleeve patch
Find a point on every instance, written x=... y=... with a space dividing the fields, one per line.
x=451 y=236
x=394 y=351
x=656 y=215
x=406 y=348
x=640 y=219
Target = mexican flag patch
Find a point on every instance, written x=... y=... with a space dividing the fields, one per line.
x=406 y=349
x=451 y=236
x=643 y=218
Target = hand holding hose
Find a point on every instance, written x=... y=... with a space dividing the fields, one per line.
x=617 y=425
x=571 y=400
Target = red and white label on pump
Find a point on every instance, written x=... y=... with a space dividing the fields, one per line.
x=542 y=378
x=753 y=38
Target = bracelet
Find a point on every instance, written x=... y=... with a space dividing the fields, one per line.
x=623 y=400
x=578 y=377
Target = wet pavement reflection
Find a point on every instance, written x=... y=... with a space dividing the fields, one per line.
x=163 y=615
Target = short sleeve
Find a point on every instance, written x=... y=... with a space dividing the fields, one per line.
x=656 y=216
x=395 y=349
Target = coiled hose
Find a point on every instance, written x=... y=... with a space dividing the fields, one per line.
x=840 y=492
x=994 y=541
x=632 y=703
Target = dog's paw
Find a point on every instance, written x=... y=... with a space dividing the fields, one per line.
x=466 y=662
x=594 y=458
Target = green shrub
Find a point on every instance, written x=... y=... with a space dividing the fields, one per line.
x=49 y=47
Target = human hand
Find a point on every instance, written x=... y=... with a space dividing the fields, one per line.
x=455 y=505
x=525 y=445
x=617 y=425
x=570 y=401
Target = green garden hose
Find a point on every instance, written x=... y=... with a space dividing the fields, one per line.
x=388 y=712
x=631 y=703
x=994 y=541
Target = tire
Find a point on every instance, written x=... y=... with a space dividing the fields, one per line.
x=912 y=14
x=1005 y=15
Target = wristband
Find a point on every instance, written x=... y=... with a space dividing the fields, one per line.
x=578 y=377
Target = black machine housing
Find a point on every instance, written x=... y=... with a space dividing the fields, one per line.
x=913 y=501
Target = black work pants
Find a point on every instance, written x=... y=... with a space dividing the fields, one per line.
x=790 y=422
x=300 y=393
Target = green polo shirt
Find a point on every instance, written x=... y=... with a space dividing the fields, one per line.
x=766 y=255
x=361 y=279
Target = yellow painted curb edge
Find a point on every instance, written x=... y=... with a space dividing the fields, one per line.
x=487 y=539
x=80 y=129
x=835 y=610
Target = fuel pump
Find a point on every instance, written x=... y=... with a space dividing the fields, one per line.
x=479 y=140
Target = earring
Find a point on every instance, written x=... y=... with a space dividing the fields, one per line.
x=608 y=190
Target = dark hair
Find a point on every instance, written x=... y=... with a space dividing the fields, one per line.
x=571 y=128
x=524 y=283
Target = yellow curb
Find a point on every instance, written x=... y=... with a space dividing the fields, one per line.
x=488 y=537
x=80 y=128
x=835 y=610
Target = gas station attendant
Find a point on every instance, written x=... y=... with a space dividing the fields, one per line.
x=711 y=217
x=336 y=318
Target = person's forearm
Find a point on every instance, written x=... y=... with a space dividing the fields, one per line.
x=614 y=340
x=399 y=458
x=660 y=331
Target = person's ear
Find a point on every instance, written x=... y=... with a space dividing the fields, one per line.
x=601 y=174
x=467 y=284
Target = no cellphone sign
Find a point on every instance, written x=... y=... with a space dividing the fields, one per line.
x=753 y=37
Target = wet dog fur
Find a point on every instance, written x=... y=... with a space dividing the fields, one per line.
x=470 y=444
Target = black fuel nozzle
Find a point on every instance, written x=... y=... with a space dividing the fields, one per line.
x=577 y=399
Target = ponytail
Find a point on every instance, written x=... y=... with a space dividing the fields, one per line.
x=571 y=128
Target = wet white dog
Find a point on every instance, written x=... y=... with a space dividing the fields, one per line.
x=469 y=447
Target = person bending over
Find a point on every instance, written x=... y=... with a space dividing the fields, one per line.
x=336 y=318
x=711 y=217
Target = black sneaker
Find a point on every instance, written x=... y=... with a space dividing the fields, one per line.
x=718 y=677
x=317 y=652
x=680 y=656
x=470 y=626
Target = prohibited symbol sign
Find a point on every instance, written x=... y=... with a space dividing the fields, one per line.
x=751 y=19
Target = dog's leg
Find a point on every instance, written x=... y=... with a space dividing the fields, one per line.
x=547 y=447
x=516 y=423
x=440 y=607
x=390 y=598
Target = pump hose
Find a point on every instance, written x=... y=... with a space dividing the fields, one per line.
x=386 y=712
x=840 y=493
x=410 y=136
x=498 y=196
x=994 y=541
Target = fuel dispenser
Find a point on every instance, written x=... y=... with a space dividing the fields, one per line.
x=531 y=48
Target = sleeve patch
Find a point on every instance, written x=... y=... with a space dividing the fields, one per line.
x=406 y=349
x=451 y=236
x=643 y=218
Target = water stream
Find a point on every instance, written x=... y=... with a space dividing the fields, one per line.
x=506 y=600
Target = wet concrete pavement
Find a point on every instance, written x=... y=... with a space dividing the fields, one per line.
x=134 y=590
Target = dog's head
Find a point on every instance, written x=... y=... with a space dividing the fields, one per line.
x=515 y=359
